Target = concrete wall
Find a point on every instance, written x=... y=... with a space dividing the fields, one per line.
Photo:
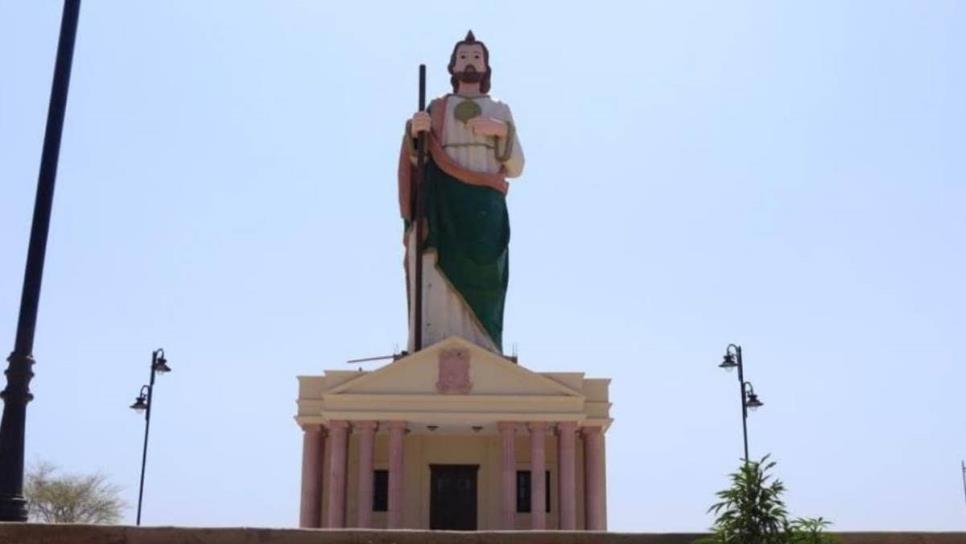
x=15 y=533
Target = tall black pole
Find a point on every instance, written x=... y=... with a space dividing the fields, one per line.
x=418 y=214
x=963 y=466
x=16 y=395
x=147 y=428
x=744 y=401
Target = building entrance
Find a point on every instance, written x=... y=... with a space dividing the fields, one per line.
x=452 y=497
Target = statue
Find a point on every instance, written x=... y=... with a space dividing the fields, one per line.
x=471 y=149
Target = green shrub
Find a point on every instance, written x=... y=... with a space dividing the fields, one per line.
x=810 y=531
x=752 y=511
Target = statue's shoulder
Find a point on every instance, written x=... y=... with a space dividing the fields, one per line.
x=441 y=99
x=498 y=104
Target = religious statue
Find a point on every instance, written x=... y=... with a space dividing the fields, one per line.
x=471 y=148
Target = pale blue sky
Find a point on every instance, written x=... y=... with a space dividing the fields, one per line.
x=789 y=176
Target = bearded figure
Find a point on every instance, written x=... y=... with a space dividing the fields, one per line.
x=472 y=148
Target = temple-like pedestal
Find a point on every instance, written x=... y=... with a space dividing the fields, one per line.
x=449 y=438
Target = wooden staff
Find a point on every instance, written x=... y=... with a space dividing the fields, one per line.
x=417 y=204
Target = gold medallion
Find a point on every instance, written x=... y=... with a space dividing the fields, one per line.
x=467 y=110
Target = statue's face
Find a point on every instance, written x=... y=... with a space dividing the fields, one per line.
x=469 y=57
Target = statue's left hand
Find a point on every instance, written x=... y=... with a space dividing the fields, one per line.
x=487 y=127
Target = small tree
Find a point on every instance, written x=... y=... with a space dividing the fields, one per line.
x=70 y=498
x=752 y=511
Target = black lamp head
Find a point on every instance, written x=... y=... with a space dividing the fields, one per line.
x=161 y=364
x=728 y=363
x=753 y=403
x=140 y=404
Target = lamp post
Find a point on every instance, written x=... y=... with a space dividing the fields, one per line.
x=749 y=400
x=143 y=403
x=963 y=466
x=13 y=506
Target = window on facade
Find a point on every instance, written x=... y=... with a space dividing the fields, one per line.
x=380 y=490
x=523 y=491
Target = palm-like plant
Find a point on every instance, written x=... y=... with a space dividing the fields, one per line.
x=810 y=531
x=751 y=511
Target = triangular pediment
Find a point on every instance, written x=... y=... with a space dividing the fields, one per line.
x=489 y=374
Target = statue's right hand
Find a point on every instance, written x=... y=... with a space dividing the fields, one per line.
x=419 y=123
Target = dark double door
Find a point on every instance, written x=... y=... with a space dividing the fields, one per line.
x=452 y=497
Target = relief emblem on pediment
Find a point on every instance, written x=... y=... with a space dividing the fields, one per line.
x=454 y=372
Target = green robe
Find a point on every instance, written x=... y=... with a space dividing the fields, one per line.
x=469 y=228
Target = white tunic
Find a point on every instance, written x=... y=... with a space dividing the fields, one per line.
x=445 y=313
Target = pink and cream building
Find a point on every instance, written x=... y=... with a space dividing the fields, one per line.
x=450 y=437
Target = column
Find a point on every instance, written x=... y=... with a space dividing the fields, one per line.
x=566 y=475
x=594 y=479
x=508 y=488
x=538 y=482
x=367 y=437
x=338 y=442
x=310 y=509
x=397 y=429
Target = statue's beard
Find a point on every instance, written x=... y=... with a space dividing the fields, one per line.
x=470 y=75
